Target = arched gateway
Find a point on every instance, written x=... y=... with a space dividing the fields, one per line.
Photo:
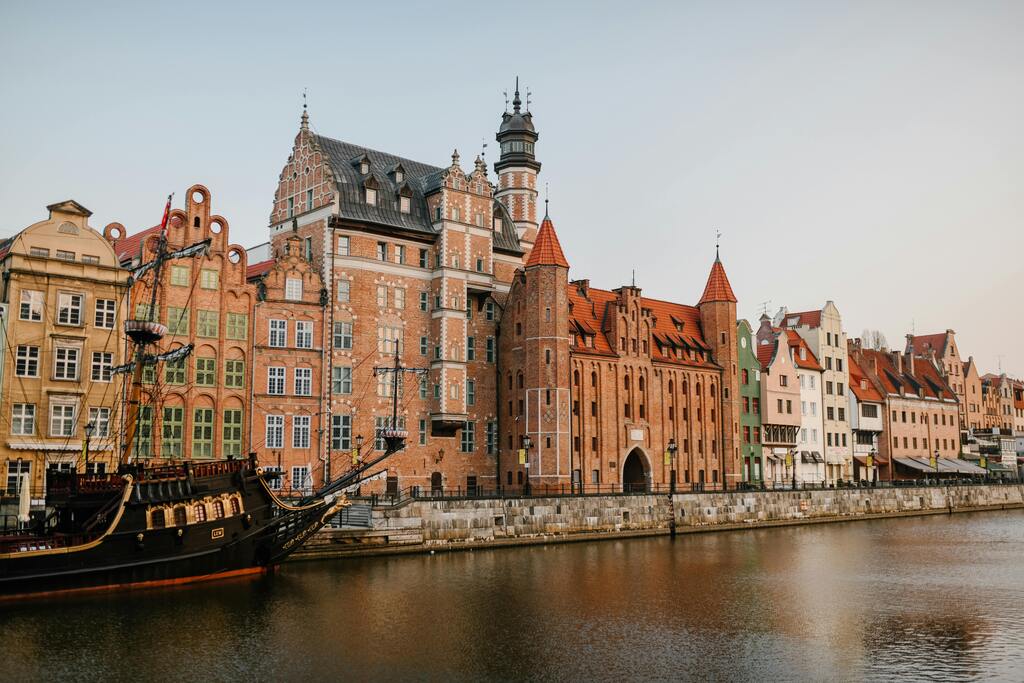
x=636 y=474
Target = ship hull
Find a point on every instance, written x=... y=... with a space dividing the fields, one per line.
x=250 y=533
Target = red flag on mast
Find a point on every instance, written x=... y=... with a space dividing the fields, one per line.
x=167 y=214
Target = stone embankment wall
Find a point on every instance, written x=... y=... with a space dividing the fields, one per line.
x=422 y=525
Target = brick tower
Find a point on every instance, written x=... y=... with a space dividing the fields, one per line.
x=535 y=367
x=517 y=170
x=718 y=319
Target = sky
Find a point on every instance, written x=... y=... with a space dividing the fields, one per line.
x=868 y=153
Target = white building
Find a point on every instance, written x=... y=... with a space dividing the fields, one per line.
x=810 y=460
x=867 y=419
x=823 y=332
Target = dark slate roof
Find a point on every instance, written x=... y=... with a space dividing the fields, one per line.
x=421 y=178
x=506 y=239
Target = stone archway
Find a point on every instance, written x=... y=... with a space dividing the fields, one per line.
x=436 y=484
x=636 y=473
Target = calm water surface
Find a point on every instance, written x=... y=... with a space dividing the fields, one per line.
x=936 y=598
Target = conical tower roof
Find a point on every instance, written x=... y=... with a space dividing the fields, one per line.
x=718 y=287
x=546 y=249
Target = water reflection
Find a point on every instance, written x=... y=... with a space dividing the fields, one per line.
x=934 y=597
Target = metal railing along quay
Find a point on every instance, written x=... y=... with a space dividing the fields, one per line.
x=427 y=493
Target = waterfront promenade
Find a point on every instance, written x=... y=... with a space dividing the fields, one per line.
x=432 y=522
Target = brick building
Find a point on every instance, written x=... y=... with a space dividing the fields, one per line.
x=603 y=382
x=942 y=349
x=997 y=398
x=65 y=296
x=416 y=259
x=289 y=387
x=921 y=419
x=195 y=408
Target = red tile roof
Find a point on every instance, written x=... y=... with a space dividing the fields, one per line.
x=718 y=287
x=926 y=343
x=765 y=353
x=925 y=381
x=588 y=314
x=255 y=270
x=130 y=246
x=796 y=342
x=809 y=318
x=868 y=392
x=546 y=249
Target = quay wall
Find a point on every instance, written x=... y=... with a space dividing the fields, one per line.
x=462 y=524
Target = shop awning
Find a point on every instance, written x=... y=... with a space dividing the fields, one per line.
x=811 y=457
x=912 y=463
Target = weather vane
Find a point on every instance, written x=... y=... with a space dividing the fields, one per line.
x=528 y=100
x=505 y=93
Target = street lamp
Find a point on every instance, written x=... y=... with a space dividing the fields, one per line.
x=935 y=463
x=526 y=448
x=357 y=450
x=672 y=448
x=871 y=467
x=90 y=428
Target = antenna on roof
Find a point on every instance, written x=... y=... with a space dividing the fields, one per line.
x=999 y=363
x=505 y=93
x=718 y=239
x=764 y=306
x=483 y=147
x=546 y=198
x=634 y=278
x=528 y=100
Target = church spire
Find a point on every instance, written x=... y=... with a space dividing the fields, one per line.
x=305 y=113
x=516 y=102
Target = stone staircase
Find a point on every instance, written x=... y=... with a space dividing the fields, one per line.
x=355 y=516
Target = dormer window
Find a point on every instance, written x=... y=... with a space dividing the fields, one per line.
x=399 y=176
x=404 y=205
x=364 y=167
x=371 y=196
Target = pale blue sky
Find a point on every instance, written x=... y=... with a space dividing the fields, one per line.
x=865 y=152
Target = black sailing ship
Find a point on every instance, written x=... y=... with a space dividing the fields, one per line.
x=150 y=525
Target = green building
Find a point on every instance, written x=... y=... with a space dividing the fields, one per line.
x=749 y=369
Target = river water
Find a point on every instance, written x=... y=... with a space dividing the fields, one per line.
x=936 y=598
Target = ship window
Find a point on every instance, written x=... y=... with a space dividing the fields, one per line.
x=218 y=509
x=236 y=508
x=158 y=519
x=179 y=516
x=200 y=512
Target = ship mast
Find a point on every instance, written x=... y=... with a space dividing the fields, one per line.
x=147 y=332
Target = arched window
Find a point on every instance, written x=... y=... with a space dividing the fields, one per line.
x=576 y=378
x=671 y=386
x=236 y=507
x=158 y=519
x=218 y=509
x=519 y=380
x=686 y=386
x=200 y=512
x=625 y=382
x=510 y=380
x=711 y=390
x=593 y=379
x=697 y=388
x=746 y=376
x=640 y=383
x=180 y=518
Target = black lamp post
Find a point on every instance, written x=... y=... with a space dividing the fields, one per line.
x=873 y=467
x=526 y=447
x=936 y=465
x=672 y=449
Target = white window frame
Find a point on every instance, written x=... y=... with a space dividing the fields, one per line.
x=102 y=362
x=100 y=418
x=275 y=432
x=278 y=333
x=66 y=360
x=69 y=308
x=28 y=356
x=303 y=334
x=275 y=380
x=344 y=245
x=105 y=314
x=301 y=431
x=303 y=381
x=293 y=289
x=63 y=416
x=23 y=419
x=31 y=305
x=344 y=291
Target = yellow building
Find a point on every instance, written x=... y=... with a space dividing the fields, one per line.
x=65 y=294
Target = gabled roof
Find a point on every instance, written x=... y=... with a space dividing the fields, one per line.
x=718 y=287
x=129 y=247
x=70 y=206
x=922 y=344
x=866 y=393
x=765 y=352
x=925 y=381
x=546 y=249
x=808 y=318
x=796 y=343
x=255 y=270
x=5 y=245
x=588 y=312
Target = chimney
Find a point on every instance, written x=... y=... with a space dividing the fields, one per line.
x=897 y=360
x=910 y=364
x=910 y=342
x=583 y=287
